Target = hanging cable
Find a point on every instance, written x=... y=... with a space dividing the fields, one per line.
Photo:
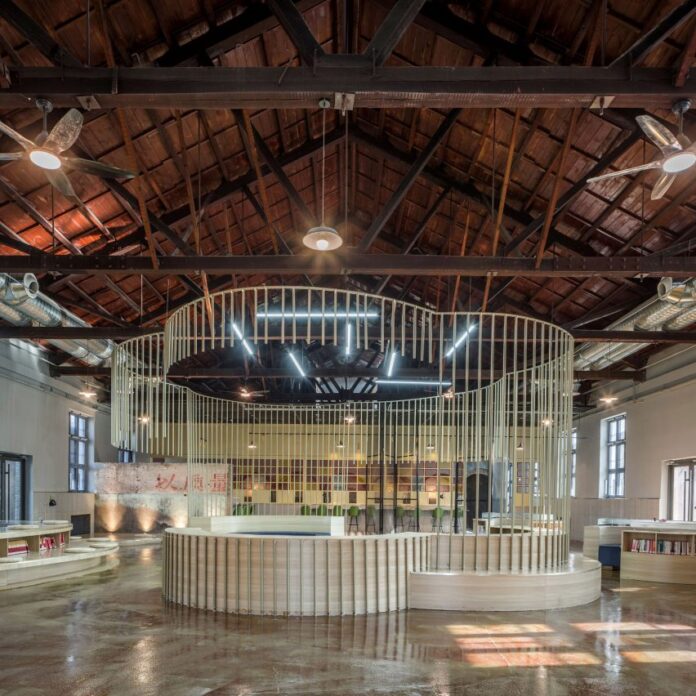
x=323 y=160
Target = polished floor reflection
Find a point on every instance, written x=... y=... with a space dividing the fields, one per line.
x=111 y=634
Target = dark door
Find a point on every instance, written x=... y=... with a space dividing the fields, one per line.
x=13 y=477
x=471 y=506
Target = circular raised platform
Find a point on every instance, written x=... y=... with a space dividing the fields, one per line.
x=571 y=584
x=58 y=564
x=291 y=575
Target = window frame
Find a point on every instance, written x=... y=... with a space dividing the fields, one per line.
x=615 y=444
x=84 y=439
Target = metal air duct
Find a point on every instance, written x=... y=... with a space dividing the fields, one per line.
x=21 y=303
x=674 y=308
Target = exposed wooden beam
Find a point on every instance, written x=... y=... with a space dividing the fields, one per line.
x=24 y=204
x=275 y=166
x=347 y=262
x=417 y=233
x=577 y=188
x=296 y=28
x=36 y=35
x=551 y=208
x=392 y=28
x=657 y=34
x=303 y=87
x=413 y=173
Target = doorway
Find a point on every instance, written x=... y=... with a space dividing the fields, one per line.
x=13 y=487
x=471 y=498
x=682 y=503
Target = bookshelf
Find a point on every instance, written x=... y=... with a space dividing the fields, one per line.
x=658 y=556
x=24 y=539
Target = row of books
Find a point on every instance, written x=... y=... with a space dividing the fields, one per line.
x=672 y=548
x=46 y=543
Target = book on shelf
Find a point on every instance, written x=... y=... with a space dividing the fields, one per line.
x=17 y=546
x=663 y=547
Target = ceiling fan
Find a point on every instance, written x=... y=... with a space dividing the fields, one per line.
x=46 y=151
x=678 y=152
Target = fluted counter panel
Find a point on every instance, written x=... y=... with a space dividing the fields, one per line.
x=287 y=575
x=501 y=553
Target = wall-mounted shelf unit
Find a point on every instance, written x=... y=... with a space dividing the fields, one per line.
x=658 y=556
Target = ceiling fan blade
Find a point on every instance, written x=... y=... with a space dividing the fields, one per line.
x=17 y=137
x=10 y=156
x=623 y=172
x=661 y=136
x=64 y=134
x=59 y=180
x=95 y=168
x=661 y=185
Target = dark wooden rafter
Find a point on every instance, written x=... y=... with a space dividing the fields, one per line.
x=413 y=173
x=417 y=234
x=657 y=34
x=567 y=198
x=28 y=207
x=296 y=28
x=277 y=169
x=392 y=28
x=36 y=34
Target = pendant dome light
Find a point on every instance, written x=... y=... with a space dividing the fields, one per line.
x=322 y=237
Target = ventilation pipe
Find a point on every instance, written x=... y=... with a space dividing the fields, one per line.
x=21 y=304
x=674 y=308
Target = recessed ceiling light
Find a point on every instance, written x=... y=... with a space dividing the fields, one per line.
x=608 y=400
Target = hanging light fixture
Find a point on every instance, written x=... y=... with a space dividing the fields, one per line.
x=323 y=237
x=88 y=392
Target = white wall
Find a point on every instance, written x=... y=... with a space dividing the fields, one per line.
x=660 y=426
x=34 y=411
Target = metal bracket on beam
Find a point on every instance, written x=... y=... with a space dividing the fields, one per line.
x=88 y=102
x=344 y=102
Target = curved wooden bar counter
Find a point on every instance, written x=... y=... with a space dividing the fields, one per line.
x=291 y=575
x=572 y=584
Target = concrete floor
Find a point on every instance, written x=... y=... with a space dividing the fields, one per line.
x=111 y=634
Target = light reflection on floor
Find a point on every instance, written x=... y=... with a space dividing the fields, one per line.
x=111 y=634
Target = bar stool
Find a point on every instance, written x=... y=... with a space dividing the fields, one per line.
x=399 y=515
x=337 y=511
x=353 y=515
x=305 y=510
x=412 y=521
x=438 y=516
x=322 y=510
x=370 y=518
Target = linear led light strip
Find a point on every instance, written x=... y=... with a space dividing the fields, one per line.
x=390 y=367
x=317 y=315
x=460 y=340
x=418 y=382
x=297 y=364
x=242 y=339
x=349 y=331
